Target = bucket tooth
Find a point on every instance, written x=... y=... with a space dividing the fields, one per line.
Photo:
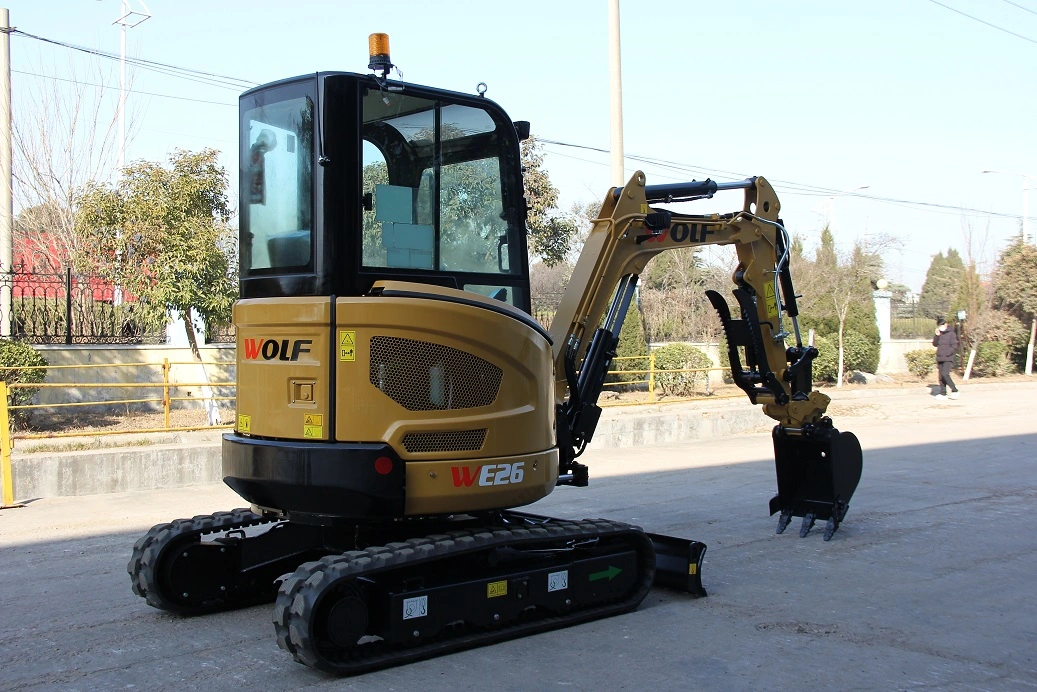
x=783 y=520
x=808 y=523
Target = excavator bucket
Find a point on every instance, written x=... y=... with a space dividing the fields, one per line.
x=817 y=475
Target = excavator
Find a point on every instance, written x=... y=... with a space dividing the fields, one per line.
x=397 y=403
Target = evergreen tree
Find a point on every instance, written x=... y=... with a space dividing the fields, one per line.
x=942 y=284
x=631 y=343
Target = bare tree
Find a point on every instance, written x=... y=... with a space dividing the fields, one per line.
x=672 y=297
x=842 y=280
x=547 y=283
x=973 y=296
x=64 y=135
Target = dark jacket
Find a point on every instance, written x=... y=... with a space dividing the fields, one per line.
x=946 y=344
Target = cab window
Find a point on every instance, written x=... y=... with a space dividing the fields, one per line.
x=277 y=142
x=432 y=190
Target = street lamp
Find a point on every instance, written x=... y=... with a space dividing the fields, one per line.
x=1026 y=199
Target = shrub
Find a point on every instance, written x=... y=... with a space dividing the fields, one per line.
x=725 y=360
x=1009 y=330
x=826 y=365
x=859 y=351
x=17 y=359
x=921 y=362
x=678 y=357
x=992 y=360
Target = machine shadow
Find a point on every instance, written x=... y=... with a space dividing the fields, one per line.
x=723 y=505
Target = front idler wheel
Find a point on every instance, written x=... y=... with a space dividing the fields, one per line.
x=347 y=619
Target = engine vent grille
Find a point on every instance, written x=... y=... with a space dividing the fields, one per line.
x=422 y=376
x=454 y=441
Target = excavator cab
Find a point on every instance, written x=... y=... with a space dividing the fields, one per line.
x=388 y=365
x=348 y=180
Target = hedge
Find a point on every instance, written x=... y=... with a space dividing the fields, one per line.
x=679 y=357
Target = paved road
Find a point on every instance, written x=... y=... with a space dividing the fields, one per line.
x=928 y=584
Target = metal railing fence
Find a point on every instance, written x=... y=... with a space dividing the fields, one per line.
x=651 y=380
x=166 y=388
x=908 y=322
x=168 y=397
x=62 y=307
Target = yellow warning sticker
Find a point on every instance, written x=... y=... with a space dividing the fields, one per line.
x=497 y=588
x=313 y=419
x=644 y=208
x=244 y=423
x=315 y=432
x=772 y=300
x=693 y=568
x=347 y=346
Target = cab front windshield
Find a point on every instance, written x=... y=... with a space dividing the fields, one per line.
x=432 y=190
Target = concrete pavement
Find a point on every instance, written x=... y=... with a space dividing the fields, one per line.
x=927 y=585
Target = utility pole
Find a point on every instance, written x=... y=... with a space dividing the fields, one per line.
x=127 y=20
x=616 y=96
x=1027 y=187
x=6 y=201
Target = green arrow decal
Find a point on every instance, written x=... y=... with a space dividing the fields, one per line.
x=609 y=574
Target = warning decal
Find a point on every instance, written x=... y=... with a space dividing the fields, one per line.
x=347 y=346
x=244 y=423
x=313 y=426
x=415 y=607
x=772 y=301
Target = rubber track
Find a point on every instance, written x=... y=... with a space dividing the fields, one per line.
x=150 y=549
x=300 y=592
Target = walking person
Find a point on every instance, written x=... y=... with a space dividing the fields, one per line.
x=946 y=343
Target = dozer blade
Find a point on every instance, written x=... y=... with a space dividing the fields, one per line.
x=817 y=475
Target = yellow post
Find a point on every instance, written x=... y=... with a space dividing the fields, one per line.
x=5 y=451
x=165 y=389
x=651 y=377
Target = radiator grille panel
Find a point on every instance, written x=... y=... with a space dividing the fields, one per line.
x=453 y=441
x=421 y=376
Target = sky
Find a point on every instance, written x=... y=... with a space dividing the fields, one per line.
x=879 y=117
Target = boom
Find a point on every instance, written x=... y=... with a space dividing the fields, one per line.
x=628 y=232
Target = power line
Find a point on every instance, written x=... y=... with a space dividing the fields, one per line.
x=981 y=21
x=795 y=188
x=199 y=76
x=128 y=91
x=1021 y=7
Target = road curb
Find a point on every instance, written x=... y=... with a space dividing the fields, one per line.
x=121 y=469
x=198 y=459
